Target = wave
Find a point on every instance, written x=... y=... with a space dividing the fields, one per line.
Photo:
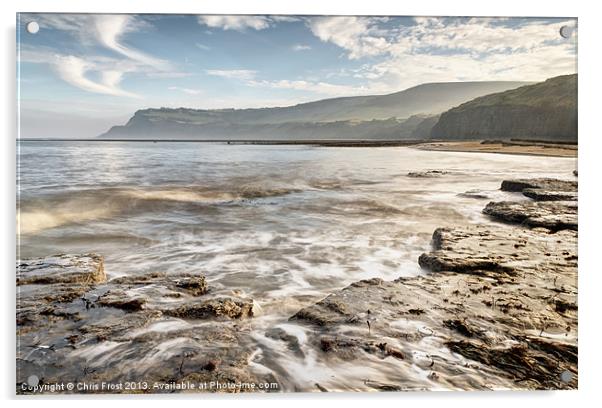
x=70 y=207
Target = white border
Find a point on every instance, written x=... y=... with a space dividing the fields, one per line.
x=590 y=286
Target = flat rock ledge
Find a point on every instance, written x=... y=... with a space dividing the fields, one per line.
x=553 y=204
x=84 y=269
x=548 y=184
x=553 y=215
x=498 y=310
x=113 y=330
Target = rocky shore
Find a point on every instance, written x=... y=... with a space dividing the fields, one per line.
x=499 y=303
x=69 y=316
x=496 y=310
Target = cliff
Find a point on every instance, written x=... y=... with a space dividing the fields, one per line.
x=397 y=115
x=543 y=111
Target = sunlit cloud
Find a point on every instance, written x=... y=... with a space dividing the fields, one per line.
x=238 y=23
x=433 y=49
x=73 y=70
x=110 y=29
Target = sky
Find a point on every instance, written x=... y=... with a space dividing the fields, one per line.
x=82 y=73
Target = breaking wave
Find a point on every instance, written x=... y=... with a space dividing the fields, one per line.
x=53 y=211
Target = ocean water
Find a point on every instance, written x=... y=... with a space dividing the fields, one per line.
x=285 y=225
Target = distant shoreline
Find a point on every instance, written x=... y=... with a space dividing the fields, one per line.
x=325 y=142
x=513 y=146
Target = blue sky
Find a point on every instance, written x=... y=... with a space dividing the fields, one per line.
x=80 y=74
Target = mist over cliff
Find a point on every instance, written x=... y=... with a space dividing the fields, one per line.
x=408 y=114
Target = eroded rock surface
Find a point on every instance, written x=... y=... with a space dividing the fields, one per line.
x=553 y=215
x=504 y=298
x=498 y=308
x=72 y=269
x=547 y=195
x=74 y=326
x=548 y=184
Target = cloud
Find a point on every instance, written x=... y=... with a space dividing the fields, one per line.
x=318 y=87
x=188 y=91
x=110 y=29
x=237 y=23
x=203 y=47
x=91 y=30
x=242 y=23
x=301 y=47
x=356 y=35
x=244 y=74
x=431 y=49
x=73 y=70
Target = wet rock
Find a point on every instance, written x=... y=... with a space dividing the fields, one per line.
x=221 y=307
x=195 y=285
x=549 y=184
x=463 y=328
x=335 y=309
x=120 y=300
x=546 y=195
x=117 y=331
x=478 y=194
x=530 y=364
x=553 y=215
x=491 y=286
x=73 y=269
x=46 y=287
x=115 y=327
x=292 y=342
x=543 y=189
x=427 y=174
x=136 y=280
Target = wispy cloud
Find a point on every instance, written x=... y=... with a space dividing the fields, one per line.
x=110 y=29
x=203 y=47
x=301 y=47
x=91 y=30
x=73 y=70
x=188 y=91
x=243 y=74
x=318 y=87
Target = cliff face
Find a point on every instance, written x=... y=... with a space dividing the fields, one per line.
x=545 y=111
